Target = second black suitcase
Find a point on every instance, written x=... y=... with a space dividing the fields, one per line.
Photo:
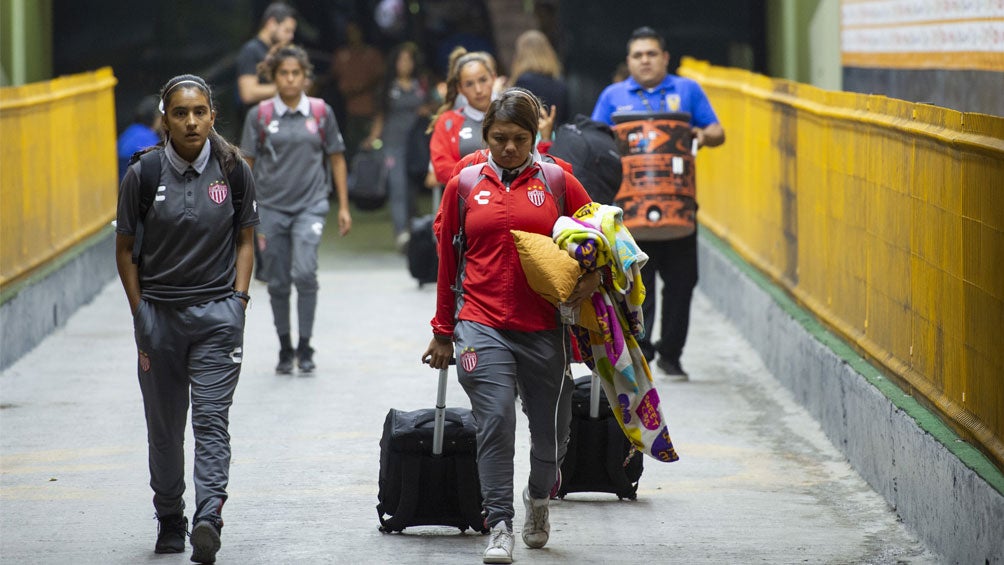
x=423 y=260
x=429 y=469
x=599 y=457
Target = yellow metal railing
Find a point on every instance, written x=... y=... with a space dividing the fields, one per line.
x=58 y=168
x=883 y=217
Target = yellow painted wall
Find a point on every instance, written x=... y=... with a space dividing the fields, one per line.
x=58 y=168
x=883 y=217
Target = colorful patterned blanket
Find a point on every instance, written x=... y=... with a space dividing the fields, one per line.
x=596 y=237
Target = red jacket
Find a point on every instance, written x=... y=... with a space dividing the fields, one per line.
x=481 y=156
x=496 y=292
x=444 y=145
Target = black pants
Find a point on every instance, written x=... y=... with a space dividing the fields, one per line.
x=675 y=261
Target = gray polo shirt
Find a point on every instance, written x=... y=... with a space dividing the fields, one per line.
x=189 y=244
x=289 y=159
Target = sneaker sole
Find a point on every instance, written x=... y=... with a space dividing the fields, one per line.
x=497 y=560
x=205 y=544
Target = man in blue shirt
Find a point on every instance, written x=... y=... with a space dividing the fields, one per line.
x=141 y=133
x=651 y=88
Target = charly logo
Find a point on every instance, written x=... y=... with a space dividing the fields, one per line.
x=482 y=197
x=237 y=355
x=218 y=192
x=466 y=133
x=469 y=359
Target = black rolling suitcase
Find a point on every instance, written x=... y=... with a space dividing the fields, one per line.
x=428 y=468
x=599 y=458
x=423 y=259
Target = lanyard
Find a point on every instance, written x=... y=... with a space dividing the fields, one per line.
x=644 y=99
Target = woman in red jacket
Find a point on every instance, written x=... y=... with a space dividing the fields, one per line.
x=457 y=131
x=507 y=339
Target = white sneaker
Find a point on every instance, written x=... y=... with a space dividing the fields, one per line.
x=536 y=528
x=500 y=544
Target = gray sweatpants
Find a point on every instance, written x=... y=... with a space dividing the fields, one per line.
x=291 y=242
x=399 y=194
x=532 y=365
x=195 y=349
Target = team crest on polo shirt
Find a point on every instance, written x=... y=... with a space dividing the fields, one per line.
x=673 y=102
x=469 y=359
x=311 y=124
x=535 y=192
x=218 y=192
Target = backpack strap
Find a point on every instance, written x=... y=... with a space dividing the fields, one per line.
x=616 y=463
x=266 y=109
x=149 y=180
x=320 y=114
x=469 y=498
x=467 y=178
x=237 y=180
x=554 y=178
x=407 y=504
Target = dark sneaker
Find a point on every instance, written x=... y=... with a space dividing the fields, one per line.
x=206 y=540
x=305 y=359
x=672 y=369
x=285 y=365
x=171 y=533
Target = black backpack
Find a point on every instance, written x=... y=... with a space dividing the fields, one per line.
x=149 y=178
x=591 y=148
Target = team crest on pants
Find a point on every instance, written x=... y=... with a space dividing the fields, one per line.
x=469 y=359
x=218 y=192
x=144 y=361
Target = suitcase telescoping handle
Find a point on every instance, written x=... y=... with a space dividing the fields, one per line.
x=594 y=398
x=440 y=424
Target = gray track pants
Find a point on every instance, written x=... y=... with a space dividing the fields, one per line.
x=198 y=349
x=291 y=242
x=532 y=365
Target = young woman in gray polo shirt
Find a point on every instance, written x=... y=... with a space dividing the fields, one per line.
x=188 y=292
x=286 y=145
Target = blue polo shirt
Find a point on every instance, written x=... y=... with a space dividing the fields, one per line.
x=673 y=94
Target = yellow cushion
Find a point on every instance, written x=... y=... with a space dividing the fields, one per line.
x=549 y=270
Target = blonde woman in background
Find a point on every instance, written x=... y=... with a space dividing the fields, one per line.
x=535 y=67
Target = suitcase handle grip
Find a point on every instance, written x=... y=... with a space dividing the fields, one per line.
x=427 y=418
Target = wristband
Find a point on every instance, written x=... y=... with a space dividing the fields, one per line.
x=242 y=294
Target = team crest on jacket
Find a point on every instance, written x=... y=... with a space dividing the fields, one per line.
x=535 y=192
x=469 y=359
x=218 y=192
